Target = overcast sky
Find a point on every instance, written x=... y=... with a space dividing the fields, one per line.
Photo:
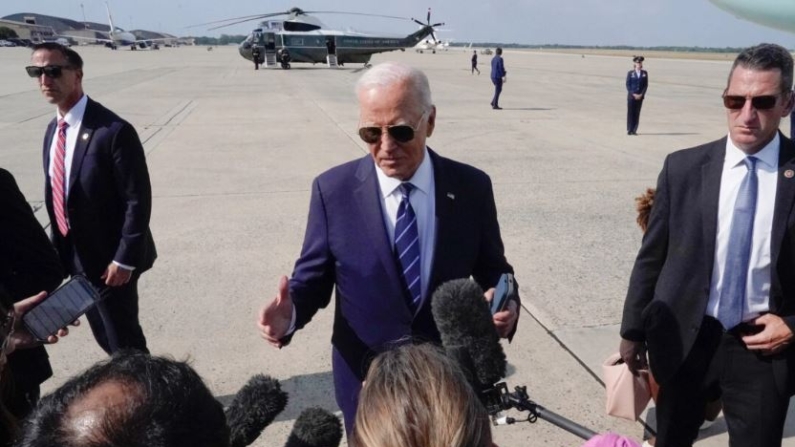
x=571 y=22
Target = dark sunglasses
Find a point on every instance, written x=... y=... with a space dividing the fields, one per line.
x=402 y=133
x=765 y=102
x=52 y=71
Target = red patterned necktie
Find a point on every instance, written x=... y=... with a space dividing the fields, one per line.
x=58 y=179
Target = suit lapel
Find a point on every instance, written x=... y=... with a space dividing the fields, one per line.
x=46 y=150
x=445 y=199
x=86 y=131
x=711 y=172
x=785 y=196
x=368 y=200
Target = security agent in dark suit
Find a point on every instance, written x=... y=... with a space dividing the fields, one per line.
x=28 y=265
x=361 y=238
x=637 y=83
x=98 y=196
x=498 y=77
x=712 y=293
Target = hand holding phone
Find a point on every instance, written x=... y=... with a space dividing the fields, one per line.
x=504 y=291
x=62 y=307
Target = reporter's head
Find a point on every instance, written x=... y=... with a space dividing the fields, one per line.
x=415 y=396
x=131 y=400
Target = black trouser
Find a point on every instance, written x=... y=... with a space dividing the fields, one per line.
x=633 y=114
x=754 y=405
x=114 y=320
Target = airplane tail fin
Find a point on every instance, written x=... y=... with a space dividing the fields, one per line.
x=110 y=18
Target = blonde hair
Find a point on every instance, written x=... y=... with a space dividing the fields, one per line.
x=415 y=396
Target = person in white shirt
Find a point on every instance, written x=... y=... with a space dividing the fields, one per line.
x=712 y=295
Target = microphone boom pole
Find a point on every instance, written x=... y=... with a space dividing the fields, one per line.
x=501 y=399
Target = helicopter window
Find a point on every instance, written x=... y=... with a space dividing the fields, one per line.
x=295 y=41
x=299 y=26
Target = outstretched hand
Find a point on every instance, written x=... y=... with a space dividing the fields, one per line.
x=274 y=318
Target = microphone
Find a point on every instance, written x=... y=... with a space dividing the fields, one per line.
x=253 y=408
x=315 y=427
x=468 y=334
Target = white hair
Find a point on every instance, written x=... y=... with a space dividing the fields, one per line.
x=390 y=73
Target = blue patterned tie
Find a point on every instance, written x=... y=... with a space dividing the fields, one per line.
x=738 y=254
x=407 y=246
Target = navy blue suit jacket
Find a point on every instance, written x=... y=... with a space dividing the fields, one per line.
x=497 y=67
x=670 y=283
x=347 y=249
x=109 y=202
x=637 y=85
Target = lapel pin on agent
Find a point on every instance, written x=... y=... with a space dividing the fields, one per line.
x=789 y=173
x=85 y=136
x=451 y=196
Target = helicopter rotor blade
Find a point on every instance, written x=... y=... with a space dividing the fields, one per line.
x=428 y=20
x=358 y=14
x=244 y=21
x=419 y=23
x=435 y=40
x=437 y=24
x=251 y=17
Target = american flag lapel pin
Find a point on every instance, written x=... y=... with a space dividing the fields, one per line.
x=451 y=196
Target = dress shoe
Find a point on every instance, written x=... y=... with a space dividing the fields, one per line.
x=496 y=107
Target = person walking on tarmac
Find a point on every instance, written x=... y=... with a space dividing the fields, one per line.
x=637 y=83
x=475 y=62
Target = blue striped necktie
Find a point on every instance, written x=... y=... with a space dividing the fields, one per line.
x=738 y=253
x=407 y=247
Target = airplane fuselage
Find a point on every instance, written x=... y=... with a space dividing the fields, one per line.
x=779 y=14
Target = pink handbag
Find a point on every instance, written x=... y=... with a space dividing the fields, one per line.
x=627 y=395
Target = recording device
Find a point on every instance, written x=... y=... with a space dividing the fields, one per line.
x=61 y=308
x=468 y=335
x=315 y=427
x=503 y=292
x=253 y=408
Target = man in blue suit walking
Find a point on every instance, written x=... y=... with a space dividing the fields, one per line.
x=637 y=83
x=384 y=231
x=498 y=75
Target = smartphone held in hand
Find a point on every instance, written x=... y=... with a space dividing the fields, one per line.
x=60 y=308
x=503 y=292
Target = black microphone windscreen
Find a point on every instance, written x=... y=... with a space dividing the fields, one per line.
x=253 y=408
x=467 y=329
x=315 y=427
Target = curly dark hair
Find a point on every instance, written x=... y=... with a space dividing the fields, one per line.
x=643 y=204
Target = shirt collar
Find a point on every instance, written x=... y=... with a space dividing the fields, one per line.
x=75 y=115
x=768 y=155
x=421 y=179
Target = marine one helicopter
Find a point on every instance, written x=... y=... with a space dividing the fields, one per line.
x=303 y=38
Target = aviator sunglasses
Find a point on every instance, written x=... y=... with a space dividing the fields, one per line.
x=402 y=133
x=765 y=102
x=52 y=71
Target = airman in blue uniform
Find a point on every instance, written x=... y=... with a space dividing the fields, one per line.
x=637 y=83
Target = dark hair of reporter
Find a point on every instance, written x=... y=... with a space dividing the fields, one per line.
x=643 y=204
x=158 y=402
x=415 y=396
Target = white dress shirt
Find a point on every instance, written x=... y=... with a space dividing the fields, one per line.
x=74 y=118
x=758 y=282
x=423 y=201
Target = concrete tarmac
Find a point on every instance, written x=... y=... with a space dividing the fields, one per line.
x=232 y=153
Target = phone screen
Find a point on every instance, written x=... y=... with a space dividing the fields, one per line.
x=500 y=294
x=61 y=308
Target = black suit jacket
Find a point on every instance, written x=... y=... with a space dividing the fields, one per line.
x=109 y=202
x=28 y=265
x=670 y=282
x=346 y=249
